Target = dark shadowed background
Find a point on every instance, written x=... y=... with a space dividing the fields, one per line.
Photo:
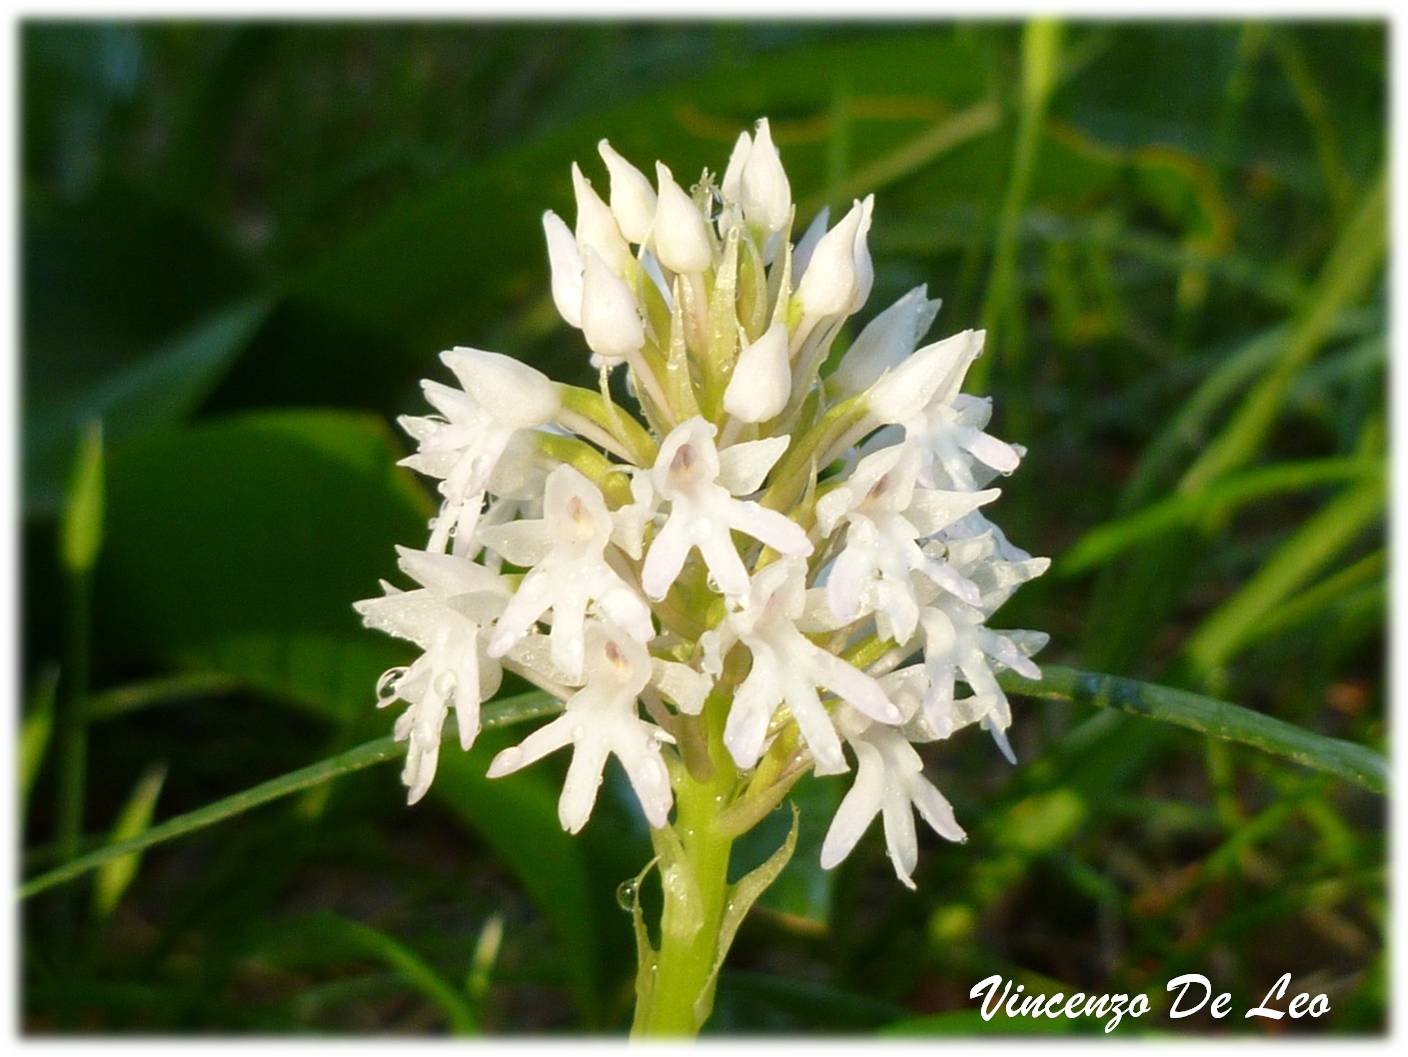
x=244 y=244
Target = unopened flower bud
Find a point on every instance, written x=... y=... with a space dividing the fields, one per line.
x=610 y=322
x=681 y=233
x=596 y=227
x=865 y=270
x=885 y=342
x=732 y=183
x=765 y=192
x=762 y=379
x=566 y=264
x=632 y=197
x=829 y=285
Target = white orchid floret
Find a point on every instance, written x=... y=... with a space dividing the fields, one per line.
x=566 y=549
x=444 y=617
x=978 y=551
x=601 y=720
x=787 y=668
x=682 y=239
x=596 y=227
x=462 y=446
x=731 y=185
x=958 y=645
x=762 y=378
x=889 y=782
x=611 y=321
x=885 y=343
x=763 y=189
x=632 y=197
x=885 y=516
x=701 y=485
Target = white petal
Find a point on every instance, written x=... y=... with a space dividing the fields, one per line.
x=743 y=467
x=752 y=707
x=806 y=245
x=666 y=556
x=506 y=389
x=858 y=808
x=928 y=375
x=732 y=181
x=768 y=526
x=885 y=342
x=683 y=685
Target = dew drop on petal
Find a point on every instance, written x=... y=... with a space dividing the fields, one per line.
x=386 y=686
x=626 y=895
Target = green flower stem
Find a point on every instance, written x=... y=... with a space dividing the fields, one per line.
x=681 y=995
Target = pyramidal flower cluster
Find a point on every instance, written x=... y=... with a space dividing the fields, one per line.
x=804 y=553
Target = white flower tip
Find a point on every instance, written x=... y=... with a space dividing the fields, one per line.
x=765 y=193
x=681 y=233
x=829 y=285
x=762 y=378
x=506 y=762
x=632 y=199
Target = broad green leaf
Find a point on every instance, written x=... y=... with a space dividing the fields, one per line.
x=136 y=398
x=115 y=875
x=237 y=547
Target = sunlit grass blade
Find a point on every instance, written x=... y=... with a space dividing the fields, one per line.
x=327 y=930
x=1339 y=588
x=36 y=730
x=116 y=874
x=1345 y=277
x=1216 y=500
x=1309 y=548
x=496 y=714
x=1041 y=61
x=1208 y=716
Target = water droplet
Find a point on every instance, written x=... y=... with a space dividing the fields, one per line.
x=626 y=895
x=386 y=686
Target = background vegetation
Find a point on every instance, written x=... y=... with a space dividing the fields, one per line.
x=244 y=244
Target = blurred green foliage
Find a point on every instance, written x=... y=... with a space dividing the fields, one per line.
x=243 y=244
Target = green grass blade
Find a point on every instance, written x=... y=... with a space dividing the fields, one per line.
x=1352 y=264
x=1337 y=589
x=1217 y=499
x=1315 y=543
x=166 y=689
x=496 y=714
x=116 y=874
x=36 y=731
x=328 y=929
x=1208 y=716
x=1041 y=62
